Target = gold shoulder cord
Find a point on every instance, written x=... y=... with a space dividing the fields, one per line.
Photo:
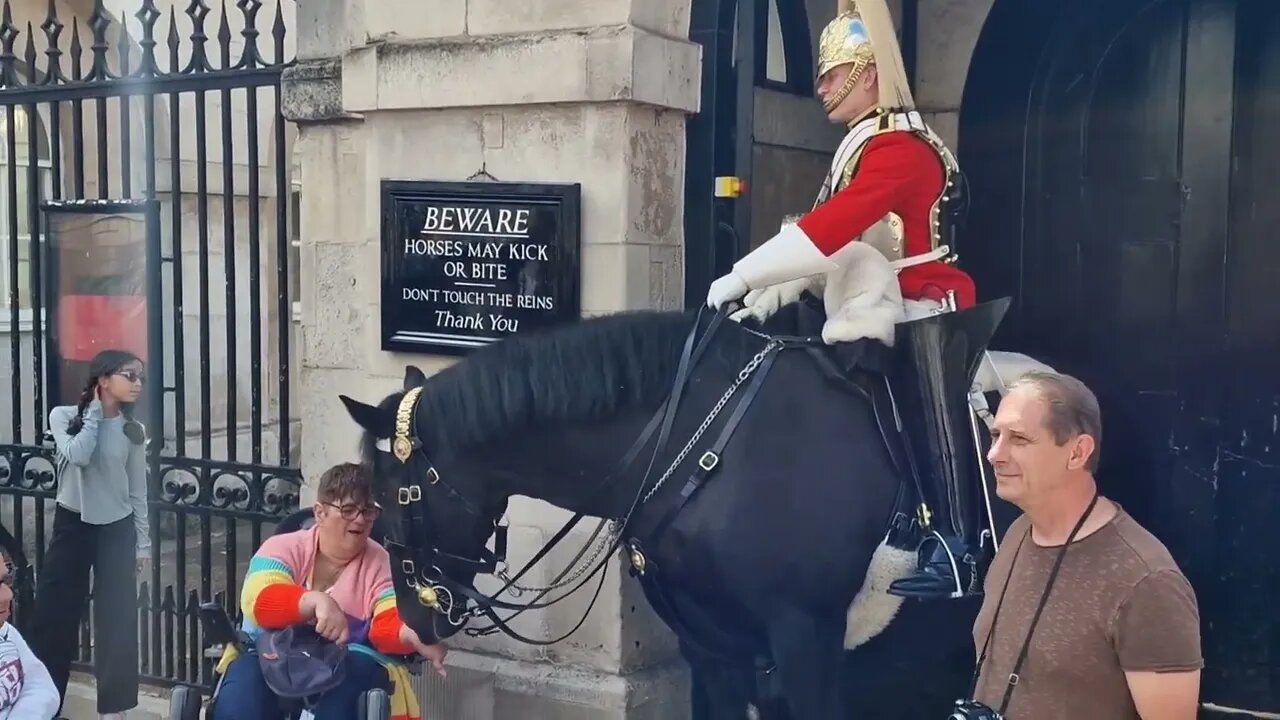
x=402 y=446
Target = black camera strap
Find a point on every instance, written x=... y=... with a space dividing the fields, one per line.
x=1035 y=619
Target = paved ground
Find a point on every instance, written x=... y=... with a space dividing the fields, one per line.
x=81 y=702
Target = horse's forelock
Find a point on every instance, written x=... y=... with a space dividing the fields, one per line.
x=369 y=451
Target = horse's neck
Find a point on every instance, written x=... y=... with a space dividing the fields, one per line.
x=570 y=466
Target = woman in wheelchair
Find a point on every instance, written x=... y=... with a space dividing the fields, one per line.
x=333 y=577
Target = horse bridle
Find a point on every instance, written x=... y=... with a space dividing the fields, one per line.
x=436 y=590
x=413 y=560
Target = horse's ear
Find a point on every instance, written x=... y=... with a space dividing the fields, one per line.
x=413 y=377
x=380 y=424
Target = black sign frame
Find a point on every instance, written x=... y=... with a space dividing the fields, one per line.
x=407 y=324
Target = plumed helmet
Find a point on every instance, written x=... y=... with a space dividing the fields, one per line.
x=844 y=40
x=863 y=34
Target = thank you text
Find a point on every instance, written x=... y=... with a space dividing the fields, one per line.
x=465 y=264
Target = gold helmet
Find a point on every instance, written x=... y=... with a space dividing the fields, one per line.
x=863 y=34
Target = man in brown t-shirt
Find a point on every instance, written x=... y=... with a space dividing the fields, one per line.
x=1119 y=636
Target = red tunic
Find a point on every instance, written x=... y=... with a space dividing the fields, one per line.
x=898 y=173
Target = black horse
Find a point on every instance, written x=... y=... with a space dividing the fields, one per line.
x=760 y=566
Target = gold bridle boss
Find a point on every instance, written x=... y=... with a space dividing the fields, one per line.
x=402 y=447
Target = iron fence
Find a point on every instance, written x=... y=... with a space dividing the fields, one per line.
x=144 y=204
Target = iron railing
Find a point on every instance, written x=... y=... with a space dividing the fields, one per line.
x=109 y=172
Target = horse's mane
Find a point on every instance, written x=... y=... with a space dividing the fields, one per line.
x=585 y=371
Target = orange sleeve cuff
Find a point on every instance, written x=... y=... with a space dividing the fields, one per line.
x=384 y=634
x=277 y=606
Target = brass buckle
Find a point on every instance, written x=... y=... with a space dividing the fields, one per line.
x=924 y=516
x=708 y=461
x=433 y=476
x=411 y=494
x=638 y=560
x=407 y=567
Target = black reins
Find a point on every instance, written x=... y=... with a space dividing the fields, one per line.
x=414 y=561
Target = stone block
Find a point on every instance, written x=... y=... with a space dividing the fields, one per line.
x=485 y=687
x=331 y=435
x=311 y=90
x=947 y=126
x=392 y=364
x=426 y=145
x=334 y=165
x=666 y=72
x=666 y=277
x=321 y=31
x=598 y=64
x=948 y=33
x=646 y=641
x=357 y=65
x=569 y=145
x=663 y=17
x=338 y=320
x=615 y=277
x=654 y=198
x=415 y=19
x=500 y=17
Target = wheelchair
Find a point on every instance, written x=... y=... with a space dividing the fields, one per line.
x=186 y=702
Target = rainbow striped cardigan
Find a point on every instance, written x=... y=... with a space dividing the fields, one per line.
x=278 y=575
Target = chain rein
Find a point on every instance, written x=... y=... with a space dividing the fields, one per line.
x=615 y=528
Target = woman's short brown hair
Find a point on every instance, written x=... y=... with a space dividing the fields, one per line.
x=346 y=481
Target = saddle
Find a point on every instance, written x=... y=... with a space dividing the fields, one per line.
x=861 y=367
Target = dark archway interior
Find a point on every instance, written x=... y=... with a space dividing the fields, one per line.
x=1121 y=156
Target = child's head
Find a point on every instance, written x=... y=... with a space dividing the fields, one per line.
x=115 y=377
x=8 y=576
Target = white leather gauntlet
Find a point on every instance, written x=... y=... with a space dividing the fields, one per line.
x=763 y=303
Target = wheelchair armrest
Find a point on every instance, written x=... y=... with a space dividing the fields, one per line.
x=413 y=663
x=216 y=625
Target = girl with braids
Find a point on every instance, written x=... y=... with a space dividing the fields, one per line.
x=99 y=524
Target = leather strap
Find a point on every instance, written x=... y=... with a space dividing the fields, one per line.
x=1035 y=620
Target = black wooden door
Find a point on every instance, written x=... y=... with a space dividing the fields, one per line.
x=1148 y=265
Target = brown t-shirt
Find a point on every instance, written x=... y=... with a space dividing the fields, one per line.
x=1120 y=604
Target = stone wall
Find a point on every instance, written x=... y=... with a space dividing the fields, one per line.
x=948 y=32
x=550 y=91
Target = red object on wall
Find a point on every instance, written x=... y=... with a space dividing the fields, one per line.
x=89 y=324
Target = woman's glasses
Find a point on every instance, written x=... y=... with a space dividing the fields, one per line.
x=133 y=376
x=351 y=511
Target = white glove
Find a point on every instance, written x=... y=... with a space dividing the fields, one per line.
x=763 y=303
x=725 y=290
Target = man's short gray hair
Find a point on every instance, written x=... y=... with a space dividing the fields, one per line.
x=1073 y=408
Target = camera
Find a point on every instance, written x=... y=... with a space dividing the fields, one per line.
x=972 y=710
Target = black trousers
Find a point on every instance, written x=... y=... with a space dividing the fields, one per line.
x=62 y=592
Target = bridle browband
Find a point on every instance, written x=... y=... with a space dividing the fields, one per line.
x=418 y=563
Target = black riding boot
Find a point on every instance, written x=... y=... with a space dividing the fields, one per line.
x=936 y=364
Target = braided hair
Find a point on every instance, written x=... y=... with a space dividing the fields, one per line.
x=107 y=362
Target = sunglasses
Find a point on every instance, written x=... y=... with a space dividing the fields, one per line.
x=133 y=376
x=351 y=511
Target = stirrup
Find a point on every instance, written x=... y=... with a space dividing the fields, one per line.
x=938 y=574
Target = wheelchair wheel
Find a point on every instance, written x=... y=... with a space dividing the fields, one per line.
x=184 y=703
x=375 y=705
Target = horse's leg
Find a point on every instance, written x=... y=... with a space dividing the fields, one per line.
x=718 y=691
x=809 y=652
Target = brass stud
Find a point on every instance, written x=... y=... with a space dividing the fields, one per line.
x=428 y=596
x=638 y=561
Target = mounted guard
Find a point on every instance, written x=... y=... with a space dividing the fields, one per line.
x=886 y=209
